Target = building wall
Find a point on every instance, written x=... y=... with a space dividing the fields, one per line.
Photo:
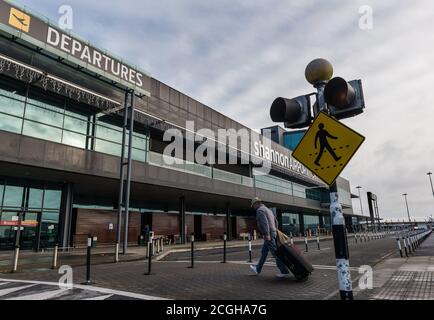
x=96 y=223
x=165 y=224
x=246 y=225
x=215 y=226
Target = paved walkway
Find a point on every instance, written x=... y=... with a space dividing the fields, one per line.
x=31 y=261
x=409 y=278
x=213 y=280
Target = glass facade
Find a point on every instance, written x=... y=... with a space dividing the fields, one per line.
x=272 y=183
x=40 y=208
x=327 y=222
x=345 y=197
x=291 y=223
x=311 y=222
x=292 y=139
x=62 y=121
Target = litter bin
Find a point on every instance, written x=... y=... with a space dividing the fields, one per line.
x=94 y=242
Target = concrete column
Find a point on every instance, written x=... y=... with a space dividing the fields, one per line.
x=65 y=218
x=182 y=220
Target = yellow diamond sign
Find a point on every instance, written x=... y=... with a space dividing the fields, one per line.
x=327 y=147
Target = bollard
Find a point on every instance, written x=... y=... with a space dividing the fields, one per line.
x=16 y=255
x=405 y=246
x=192 y=251
x=225 y=238
x=306 y=243
x=89 y=248
x=151 y=248
x=409 y=244
x=317 y=241
x=117 y=252
x=355 y=237
x=399 y=247
x=250 y=248
x=292 y=239
x=54 y=265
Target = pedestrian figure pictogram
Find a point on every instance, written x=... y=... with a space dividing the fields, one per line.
x=327 y=147
x=321 y=137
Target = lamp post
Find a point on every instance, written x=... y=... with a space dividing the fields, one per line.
x=360 y=198
x=430 y=180
x=406 y=203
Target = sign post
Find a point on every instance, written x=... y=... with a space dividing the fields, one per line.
x=328 y=145
x=326 y=149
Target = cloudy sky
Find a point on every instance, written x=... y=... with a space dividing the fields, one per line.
x=237 y=56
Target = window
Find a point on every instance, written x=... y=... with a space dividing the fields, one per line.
x=52 y=199
x=11 y=103
x=299 y=191
x=311 y=222
x=11 y=108
x=41 y=131
x=109 y=132
x=275 y=184
x=13 y=197
x=108 y=147
x=75 y=124
x=290 y=223
x=50 y=216
x=327 y=222
x=35 y=198
x=344 y=197
x=138 y=155
x=74 y=139
x=10 y=123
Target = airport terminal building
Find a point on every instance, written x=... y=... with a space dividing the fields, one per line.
x=61 y=133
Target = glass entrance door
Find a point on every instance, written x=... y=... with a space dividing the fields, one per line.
x=40 y=208
x=29 y=231
x=7 y=232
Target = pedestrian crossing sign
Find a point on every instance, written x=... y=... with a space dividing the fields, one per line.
x=327 y=147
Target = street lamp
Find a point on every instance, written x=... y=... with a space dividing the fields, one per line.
x=430 y=180
x=360 y=198
x=406 y=203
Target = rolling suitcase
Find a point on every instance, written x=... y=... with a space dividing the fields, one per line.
x=293 y=258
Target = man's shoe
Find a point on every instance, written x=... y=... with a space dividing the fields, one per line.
x=283 y=275
x=255 y=271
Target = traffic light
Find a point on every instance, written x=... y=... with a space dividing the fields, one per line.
x=295 y=113
x=344 y=99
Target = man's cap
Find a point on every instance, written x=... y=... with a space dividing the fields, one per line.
x=255 y=200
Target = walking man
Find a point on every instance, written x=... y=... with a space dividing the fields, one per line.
x=322 y=137
x=267 y=225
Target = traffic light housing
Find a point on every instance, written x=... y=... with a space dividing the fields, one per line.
x=295 y=113
x=344 y=99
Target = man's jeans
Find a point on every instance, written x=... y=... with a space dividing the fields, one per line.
x=271 y=246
